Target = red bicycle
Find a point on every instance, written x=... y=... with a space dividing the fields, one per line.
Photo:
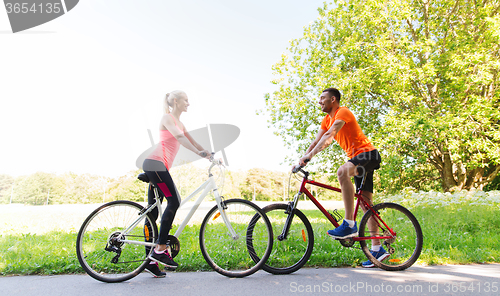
x=394 y=226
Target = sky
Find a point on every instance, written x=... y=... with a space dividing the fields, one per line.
x=79 y=93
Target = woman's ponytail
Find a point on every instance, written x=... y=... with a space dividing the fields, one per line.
x=166 y=104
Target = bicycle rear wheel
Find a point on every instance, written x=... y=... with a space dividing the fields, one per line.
x=100 y=247
x=230 y=255
x=289 y=254
x=404 y=248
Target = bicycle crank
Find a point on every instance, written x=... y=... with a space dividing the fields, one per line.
x=348 y=242
x=175 y=245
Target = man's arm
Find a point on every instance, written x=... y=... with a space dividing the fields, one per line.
x=325 y=140
x=320 y=134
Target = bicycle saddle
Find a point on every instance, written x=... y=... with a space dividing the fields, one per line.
x=143 y=177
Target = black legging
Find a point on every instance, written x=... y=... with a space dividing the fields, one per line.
x=162 y=180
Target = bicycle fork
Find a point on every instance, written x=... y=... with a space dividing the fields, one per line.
x=290 y=211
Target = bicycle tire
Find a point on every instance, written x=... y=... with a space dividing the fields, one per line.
x=231 y=256
x=406 y=246
x=291 y=254
x=96 y=235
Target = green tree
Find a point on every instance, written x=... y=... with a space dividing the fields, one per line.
x=85 y=188
x=38 y=189
x=187 y=178
x=421 y=76
x=127 y=187
x=6 y=182
x=233 y=181
x=266 y=185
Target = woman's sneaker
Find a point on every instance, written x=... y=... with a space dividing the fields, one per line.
x=153 y=269
x=164 y=258
x=381 y=255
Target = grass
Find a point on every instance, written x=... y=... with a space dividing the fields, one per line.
x=51 y=253
x=453 y=234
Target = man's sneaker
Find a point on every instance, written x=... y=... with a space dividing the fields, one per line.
x=164 y=258
x=344 y=231
x=153 y=269
x=381 y=255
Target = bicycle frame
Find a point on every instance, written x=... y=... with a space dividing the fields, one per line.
x=360 y=201
x=207 y=186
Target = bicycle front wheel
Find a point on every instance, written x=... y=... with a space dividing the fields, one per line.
x=224 y=242
x=289 y=253
x=404 y=248
x=108 y=253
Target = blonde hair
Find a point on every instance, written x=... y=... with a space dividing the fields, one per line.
x=170 y=99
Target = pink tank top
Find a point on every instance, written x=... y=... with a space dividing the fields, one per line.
x=167 y=147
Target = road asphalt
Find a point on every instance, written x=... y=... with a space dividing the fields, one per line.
x=475 y=279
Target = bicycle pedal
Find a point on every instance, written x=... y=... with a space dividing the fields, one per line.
x=336 y=215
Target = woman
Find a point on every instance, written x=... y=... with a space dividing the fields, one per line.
x=172 y=134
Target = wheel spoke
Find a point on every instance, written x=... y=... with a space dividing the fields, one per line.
x=232 y=256
x=291 y=253
x=404 y=248
x=100 y=247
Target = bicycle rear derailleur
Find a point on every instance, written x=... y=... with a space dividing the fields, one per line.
x=388 y=242
x=114 y=245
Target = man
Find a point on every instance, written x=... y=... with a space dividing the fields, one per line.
x=341 y=125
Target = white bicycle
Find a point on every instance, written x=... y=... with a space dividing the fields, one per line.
x=115 y=240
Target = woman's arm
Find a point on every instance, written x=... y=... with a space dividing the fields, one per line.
x=169 y=123
x=195 y=144
x=190 y=138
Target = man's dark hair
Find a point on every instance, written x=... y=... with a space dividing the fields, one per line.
x=333 y=92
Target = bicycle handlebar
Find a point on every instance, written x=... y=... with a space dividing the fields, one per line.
x=203 y=154
x=298 y=168
x=215 y=162
x=211 y=158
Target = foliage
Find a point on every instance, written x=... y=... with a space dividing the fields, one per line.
x=421 y=76
x=188 y=177
x=411 y=199
x=233 y=183
x=38 y=189
x=6 y=183
x=494 y=185
x=83 y=188
x=72 y=188
x=264 y=185
x=127 y=187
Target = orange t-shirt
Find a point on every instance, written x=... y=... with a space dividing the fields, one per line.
x=350 y=137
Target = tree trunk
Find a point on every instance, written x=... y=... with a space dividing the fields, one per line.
x=455 y=176
x=448 y=179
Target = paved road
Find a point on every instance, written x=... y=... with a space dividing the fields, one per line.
x=417 y=280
